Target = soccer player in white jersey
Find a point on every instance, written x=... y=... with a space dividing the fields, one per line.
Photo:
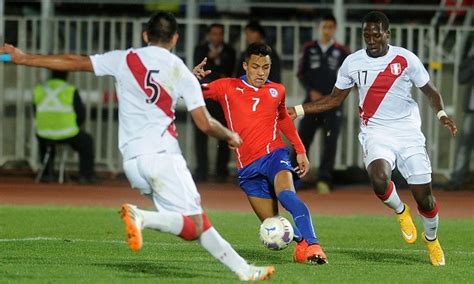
x=149 y=81
x=390 y=131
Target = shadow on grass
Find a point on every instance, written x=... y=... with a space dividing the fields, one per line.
x=384 y=257
x=158 y=270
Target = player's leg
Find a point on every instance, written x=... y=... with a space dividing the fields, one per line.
x=263 y=207
x=280 y=171
x=308 y=249
x=379 y=158
x=180 y=213
x=254 y=182
x=414 y=165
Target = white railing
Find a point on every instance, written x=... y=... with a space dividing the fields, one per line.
x=89 y=35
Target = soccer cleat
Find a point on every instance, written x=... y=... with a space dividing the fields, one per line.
x=316 y=255
x=300 y=252
x=257 y=273
x=435 y=251
x=133 y=226
x=406 y=225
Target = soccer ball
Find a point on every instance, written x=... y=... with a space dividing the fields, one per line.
x=276 y=232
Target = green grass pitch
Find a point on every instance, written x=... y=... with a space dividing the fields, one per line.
x=86 y=245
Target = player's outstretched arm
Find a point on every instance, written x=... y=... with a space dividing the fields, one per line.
x=64 y=62
x=199 y=71
x=207 y=124
x=437 y=104
x=326 y=103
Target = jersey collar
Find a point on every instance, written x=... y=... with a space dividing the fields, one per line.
x=245 y=81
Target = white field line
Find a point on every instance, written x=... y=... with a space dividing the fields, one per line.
x=33 y=239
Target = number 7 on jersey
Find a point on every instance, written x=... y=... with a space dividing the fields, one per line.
x=255 y=103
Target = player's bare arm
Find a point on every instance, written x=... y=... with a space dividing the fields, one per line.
x=326 y=103
x=207 y=124
x=64 y=62
x=437 y=104
x=199 y=71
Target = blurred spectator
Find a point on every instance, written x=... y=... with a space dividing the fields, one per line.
x=59 y=112
x=221 y=61
x=254 y=33
x=317 y=72
x=466 y=143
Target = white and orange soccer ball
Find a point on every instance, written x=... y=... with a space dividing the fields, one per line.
x=276 y=232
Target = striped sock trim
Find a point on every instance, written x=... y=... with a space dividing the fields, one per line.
x=431 y=213
x=387 y=194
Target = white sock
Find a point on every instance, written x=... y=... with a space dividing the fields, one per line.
x=220 y=249
x=168 y=222
x=391 y=198
x=431 y=226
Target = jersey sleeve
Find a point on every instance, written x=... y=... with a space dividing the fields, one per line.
x=213 y=90
x=107 y=63
x=416 y=71
x=188 y=88
x=344 y=81
x=286 y=125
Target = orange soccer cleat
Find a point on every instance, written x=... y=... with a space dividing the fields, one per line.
x=300 y=252
x=316 y=255
x=133 y=226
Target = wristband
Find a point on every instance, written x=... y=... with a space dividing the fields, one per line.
x=5 y=57
x=441 y=113
x=299 y=110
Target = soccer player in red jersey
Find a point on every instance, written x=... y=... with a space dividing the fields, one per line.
x=255 y=108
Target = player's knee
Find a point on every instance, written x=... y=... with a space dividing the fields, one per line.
x=427 y=203
x=380 y=181
x=194 y=226
x=190 y=230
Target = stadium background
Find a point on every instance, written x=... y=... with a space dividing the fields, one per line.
x=437 y=31
x=438 y=34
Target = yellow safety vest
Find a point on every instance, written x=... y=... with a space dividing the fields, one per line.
x=55 y=115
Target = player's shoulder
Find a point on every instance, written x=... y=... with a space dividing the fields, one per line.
x=411 y=57
x=402 y=51
x=275 y=85
x=225 y=82
x=358 y=55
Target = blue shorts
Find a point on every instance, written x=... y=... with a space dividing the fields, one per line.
x=257 y=178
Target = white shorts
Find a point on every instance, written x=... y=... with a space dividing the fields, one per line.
x=166 y=178
x=407 y=152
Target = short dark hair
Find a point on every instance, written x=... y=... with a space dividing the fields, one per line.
x=377 y=17
x=57 y=74
x=255 y=26
x=215 y=25
x=161 y=27
x=329 y=17
x=257 y=49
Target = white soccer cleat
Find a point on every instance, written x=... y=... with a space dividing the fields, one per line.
x=133 y=226
x=257 y=273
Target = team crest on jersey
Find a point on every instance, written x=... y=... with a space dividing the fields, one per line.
x=273 y=92
x=336 y=53
x=396 y=68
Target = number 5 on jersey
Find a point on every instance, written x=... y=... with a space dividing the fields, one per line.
x=153 y=85
x=255 y=103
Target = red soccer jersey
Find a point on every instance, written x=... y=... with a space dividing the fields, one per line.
x=256 y=114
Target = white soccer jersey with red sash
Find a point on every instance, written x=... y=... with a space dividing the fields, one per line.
x=149 y=81
x=384 y=85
